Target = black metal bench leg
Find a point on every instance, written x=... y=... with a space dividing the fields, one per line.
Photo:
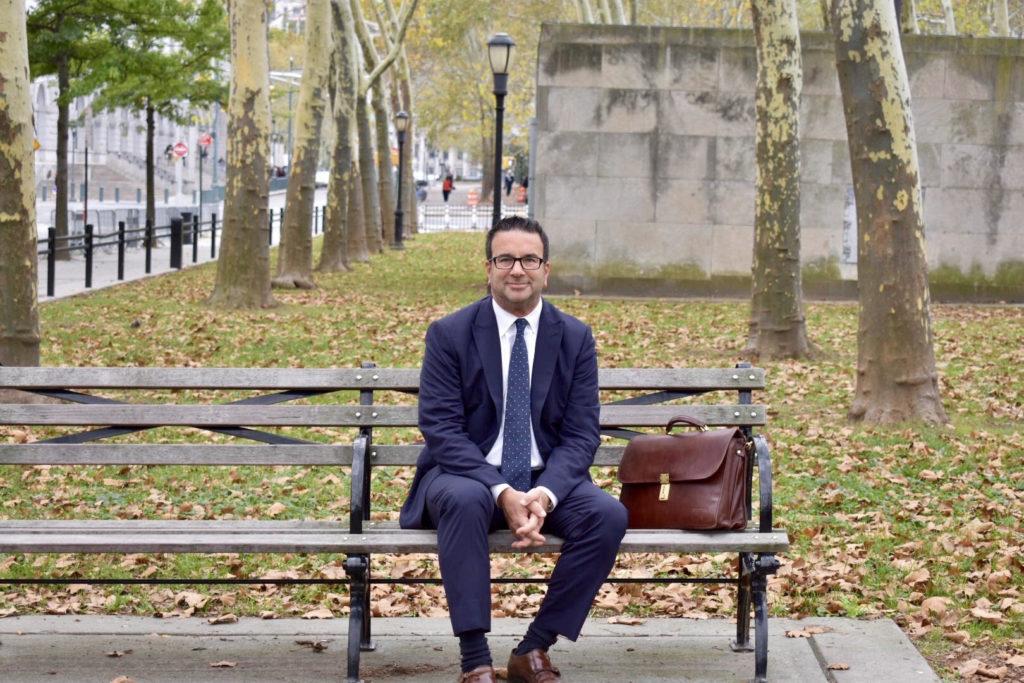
x=743 y=602
x=365 y=642
x=766 y=564
x=357 y=568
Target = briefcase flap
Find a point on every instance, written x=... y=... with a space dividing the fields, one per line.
x=692 y=456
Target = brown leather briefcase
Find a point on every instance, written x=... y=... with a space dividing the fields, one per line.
x=692 y=480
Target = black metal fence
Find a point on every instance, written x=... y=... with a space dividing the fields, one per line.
x=182 y=235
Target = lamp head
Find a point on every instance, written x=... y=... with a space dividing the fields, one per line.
x=499 y=52
x=401 y=121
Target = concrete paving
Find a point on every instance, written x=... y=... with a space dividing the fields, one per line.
x=84 y=649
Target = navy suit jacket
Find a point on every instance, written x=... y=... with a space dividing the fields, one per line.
x=461 y=402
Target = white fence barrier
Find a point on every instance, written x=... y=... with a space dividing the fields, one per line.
x=461 y=218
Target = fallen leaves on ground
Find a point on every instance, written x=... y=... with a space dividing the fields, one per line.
x=918 y=524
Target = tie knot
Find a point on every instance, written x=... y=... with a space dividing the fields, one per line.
x=520 y=325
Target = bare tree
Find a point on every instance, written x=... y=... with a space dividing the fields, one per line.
x=335 y=255
x=1002 y=18
x=19 y=305
x=908 y=17
x=777 y=323
x=402 y=100
x=243 y=269
x=295 y=254
x=896 y=376
x=947 y=12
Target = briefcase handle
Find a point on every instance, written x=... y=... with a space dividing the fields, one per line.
x=687 y=420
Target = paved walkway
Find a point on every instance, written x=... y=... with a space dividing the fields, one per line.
x=82 y=649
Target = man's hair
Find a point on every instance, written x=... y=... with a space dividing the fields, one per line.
x=516 y=223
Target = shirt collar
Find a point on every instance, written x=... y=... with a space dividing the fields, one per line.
x=506 y=320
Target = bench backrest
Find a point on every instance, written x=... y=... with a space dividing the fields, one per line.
x=186 y=397
x=85 y=408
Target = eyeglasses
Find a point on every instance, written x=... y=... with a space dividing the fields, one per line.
x=509 y=262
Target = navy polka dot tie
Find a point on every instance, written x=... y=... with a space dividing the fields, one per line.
x=515 y=448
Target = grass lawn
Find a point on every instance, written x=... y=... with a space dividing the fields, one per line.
x=919 y=524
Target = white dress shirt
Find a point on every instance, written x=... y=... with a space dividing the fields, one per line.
x=507 y=335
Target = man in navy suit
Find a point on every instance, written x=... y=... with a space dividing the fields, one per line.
x=464 y=484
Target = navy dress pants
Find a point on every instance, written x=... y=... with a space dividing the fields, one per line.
x=591 y=522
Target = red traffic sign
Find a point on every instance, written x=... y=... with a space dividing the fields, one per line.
x=180 y=148
x=205 y=140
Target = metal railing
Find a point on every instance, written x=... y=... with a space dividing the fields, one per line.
x=184 y=231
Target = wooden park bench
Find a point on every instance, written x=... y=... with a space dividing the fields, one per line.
x=273 y=418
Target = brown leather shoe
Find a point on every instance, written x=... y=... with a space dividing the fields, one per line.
x=482 y=674
x=533 y=667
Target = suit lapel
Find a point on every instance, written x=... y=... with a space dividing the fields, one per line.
x=545 y=355
x=488 y=347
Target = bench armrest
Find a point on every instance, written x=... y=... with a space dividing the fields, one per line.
x=764 y=476
x=358 y=506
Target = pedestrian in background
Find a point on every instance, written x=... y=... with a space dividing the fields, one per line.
x=447 y=186
x=510 y=178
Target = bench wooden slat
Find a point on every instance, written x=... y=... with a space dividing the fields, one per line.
x=330 y=416
x=227 y=454
x=682 y=379
x=315 y=379
x=174 y=454
x=134 y=536
x=336 y=379
x=406 y=454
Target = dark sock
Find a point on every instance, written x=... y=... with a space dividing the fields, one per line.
x=474 y=650
x=536 y=638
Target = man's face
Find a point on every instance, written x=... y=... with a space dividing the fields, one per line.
x=517 y=290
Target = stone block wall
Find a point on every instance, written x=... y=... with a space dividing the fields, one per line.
x=644 y=161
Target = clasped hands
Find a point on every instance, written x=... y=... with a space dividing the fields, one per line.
x=525 y=513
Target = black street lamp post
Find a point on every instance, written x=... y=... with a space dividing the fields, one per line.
x=499 y=51
x=401 y=123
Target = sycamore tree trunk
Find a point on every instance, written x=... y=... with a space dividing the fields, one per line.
x=19 y=298
x=777 y=323
x=335 y=256
x=1002 y=18
x=63 y=172
x=385 y=171
x=908 y=17
x=896 y=376
x=947 y=12
x=380 y=200
x=348 y=94
x=295 y=254
x=368 y=176
x=401 y=100
x=243 y=269
x=409 y=199
x=584 y=11
x=355 y=233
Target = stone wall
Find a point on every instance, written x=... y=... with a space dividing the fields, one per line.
x=644 y=168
